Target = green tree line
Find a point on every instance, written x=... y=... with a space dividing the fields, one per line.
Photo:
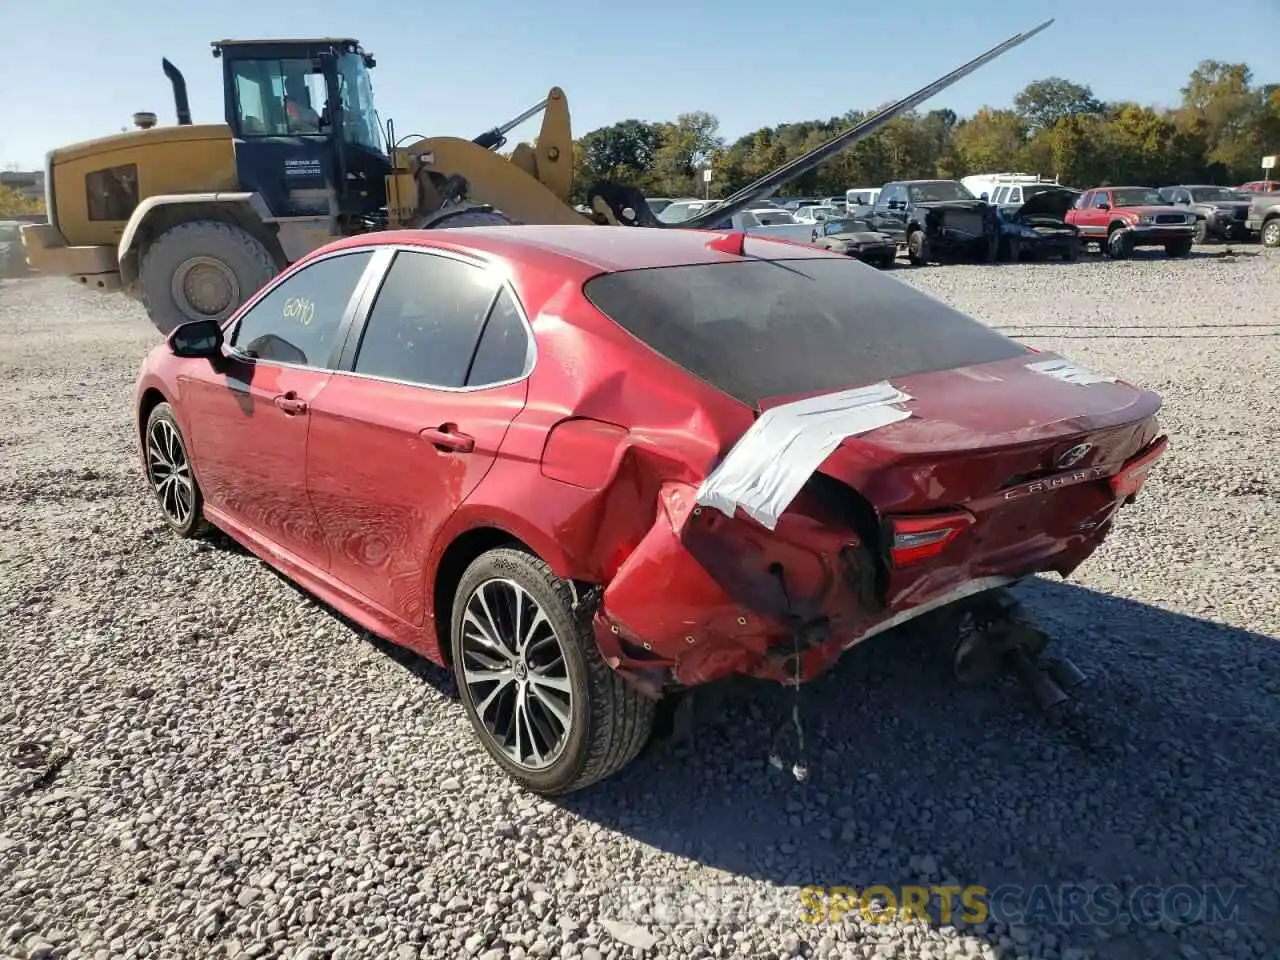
x=1223 y=125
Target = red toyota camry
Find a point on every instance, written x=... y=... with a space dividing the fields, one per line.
x=591 y=467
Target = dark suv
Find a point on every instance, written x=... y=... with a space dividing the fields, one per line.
x=937 y=219
x=1220 y=212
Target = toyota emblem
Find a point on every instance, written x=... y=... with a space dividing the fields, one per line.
x=1073 y=456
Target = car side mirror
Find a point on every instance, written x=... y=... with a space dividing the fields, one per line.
x=984 y=195
x=1104 y=206
x=197 y=338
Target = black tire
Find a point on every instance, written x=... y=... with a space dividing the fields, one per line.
x=475 y=216
x=1271 y=233
x=1178 y=248
x=1071 y=252
x=990 y=252
x=1201 y=234
x=887 y=261
x=610 y=720
x=1013 y=252
x=918 y=251
x=233 y=265
x=162 y=424
x=1119 y=245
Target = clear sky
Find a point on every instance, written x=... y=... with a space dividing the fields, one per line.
x=79 y=69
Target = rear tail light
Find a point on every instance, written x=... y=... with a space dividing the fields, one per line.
x=913 y=539
x=1134 y=473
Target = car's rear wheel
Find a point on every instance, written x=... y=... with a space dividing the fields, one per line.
x=1178 y=248
x=1201 y=234
x=169 y=473
x=989 y=252
x=1071 y=252
x=539 y=695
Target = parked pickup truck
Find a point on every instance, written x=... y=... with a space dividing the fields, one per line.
x=1122 y=218
x=1264 y=218
x=934 y=219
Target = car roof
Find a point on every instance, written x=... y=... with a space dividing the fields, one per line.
x=584 y=250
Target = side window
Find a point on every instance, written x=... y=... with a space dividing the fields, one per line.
x=112 y=194
x=1015 y=194
x=298 y=320
x=1000 y=194
x=504 y=352
x=278 y=98
x=425 y=321
x=1100 y=198
x=1084 y=200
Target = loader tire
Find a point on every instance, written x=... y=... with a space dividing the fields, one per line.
x=479 y=216
x=201 y=270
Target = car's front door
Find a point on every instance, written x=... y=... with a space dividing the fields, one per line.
x=891 y=212
x=248 y=418
x=413 y=420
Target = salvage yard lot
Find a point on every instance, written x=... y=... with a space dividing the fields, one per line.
x=246 y=775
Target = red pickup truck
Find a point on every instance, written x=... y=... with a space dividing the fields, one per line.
x=1121 y=218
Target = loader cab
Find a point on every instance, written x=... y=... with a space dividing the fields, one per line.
x=307 y=133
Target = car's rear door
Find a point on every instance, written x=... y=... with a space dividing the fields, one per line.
x=413 y=419
x=248 y=418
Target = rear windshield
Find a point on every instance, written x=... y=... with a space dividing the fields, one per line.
x=772 y=328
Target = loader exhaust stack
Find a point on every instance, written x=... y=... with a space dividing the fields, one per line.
x=180 y=103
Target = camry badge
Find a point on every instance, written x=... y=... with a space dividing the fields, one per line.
x=1074 y=455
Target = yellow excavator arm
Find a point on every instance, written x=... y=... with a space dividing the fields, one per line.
x=532 y=185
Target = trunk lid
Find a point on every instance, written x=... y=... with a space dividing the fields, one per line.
x=1000 y=471
x=980 y=431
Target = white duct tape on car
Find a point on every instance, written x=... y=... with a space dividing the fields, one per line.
x=766 y=468
x=1068 y=372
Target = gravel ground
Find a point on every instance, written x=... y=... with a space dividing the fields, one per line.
x=219 y=767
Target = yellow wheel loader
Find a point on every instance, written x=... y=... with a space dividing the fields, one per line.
x=193 y=219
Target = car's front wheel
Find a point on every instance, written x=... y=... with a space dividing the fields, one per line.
x=918 y=251
x=1119 y=245
x=538 y=693
x=169 y=473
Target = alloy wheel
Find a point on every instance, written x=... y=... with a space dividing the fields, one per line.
x=515 y=672
x=170 y=472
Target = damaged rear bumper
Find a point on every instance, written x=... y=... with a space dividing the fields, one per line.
x=705 y=596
